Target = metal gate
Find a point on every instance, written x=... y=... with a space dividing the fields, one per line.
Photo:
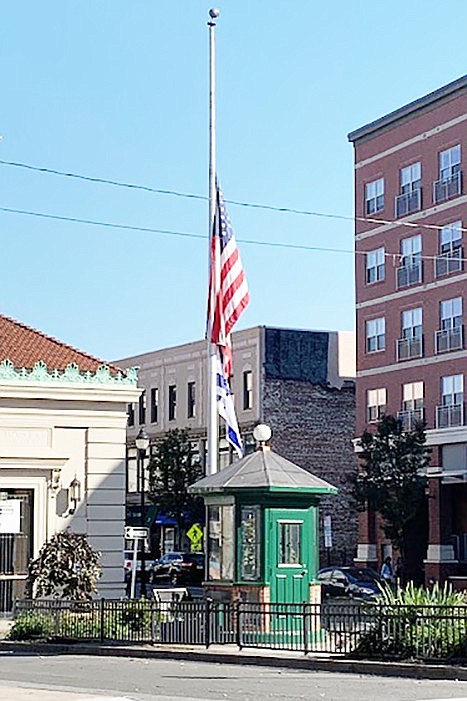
x=16 y=542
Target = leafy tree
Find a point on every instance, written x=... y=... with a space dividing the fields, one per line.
x=67 y=567
x=390 y=480
x=171 y=471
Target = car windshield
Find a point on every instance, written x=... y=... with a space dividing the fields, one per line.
x=363 y=575
x=197 y=559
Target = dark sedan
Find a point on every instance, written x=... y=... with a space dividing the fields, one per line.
x=353 y=582
x=179 y=568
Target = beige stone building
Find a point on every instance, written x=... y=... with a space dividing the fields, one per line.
x=62 y=453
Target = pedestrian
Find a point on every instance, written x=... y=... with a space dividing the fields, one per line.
x=399 y=572
x=387 y=574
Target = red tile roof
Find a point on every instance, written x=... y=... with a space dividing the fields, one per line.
x=25 y=346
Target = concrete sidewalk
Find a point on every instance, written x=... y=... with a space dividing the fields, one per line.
x=229 y=654
x=21 y=693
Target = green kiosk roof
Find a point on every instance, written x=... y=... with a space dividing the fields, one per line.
x=266 y=471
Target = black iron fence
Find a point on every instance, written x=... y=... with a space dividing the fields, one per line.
x=365 y=630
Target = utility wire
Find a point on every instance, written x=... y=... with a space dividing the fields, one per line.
x=395 y=257
x=238 y=203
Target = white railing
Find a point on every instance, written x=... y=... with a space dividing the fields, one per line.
x=449 y=339
x=449 y=416
x=446 y=188
x=407 y=348
x=450 y=262
x=409 y=274
x=408 y=202
x=409 y=419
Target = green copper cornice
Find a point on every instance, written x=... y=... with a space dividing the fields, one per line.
x=71 y=375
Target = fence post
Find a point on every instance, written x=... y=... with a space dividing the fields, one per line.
x=207 y=622
x=306 y=628
x=152 y=602
x=101 y=620
x=239 y=637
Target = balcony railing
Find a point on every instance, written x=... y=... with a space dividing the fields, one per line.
x=409 y=419
x=449 y=416
x=407 y=348
x=446 y=188
x=451 y=262
x=408 y=202
x=410 y=274
x=449 y=339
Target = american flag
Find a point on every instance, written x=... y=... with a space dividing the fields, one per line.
x=228 y=289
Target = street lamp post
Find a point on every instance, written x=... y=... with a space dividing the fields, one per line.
x=142 y=443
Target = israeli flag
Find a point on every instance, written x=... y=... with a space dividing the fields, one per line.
x=227 y=410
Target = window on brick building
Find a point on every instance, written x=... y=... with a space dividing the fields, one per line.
x=449 y=162
x=450 y=238
x=450 y=258
x=450 y=313
x=452 y=390
x=412 y=396
x=375 y=335
x=191 y=400
x=247 y=389
x=154 y=405
x=411 y=250
x=451 y=411
x=375 y=266
x=172 y=402
x=410 y=198
x=142 y=408
x=374 y=196
x=412 y=323
x=130 y=410
x=411 y=178
x=410 y=271
x=376 y=403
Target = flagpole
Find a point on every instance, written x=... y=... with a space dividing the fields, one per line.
x=212 y=414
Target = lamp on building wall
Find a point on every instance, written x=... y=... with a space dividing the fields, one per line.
x=74 y=493
x=142 y=444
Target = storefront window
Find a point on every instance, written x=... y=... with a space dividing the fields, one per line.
x=221 y=542
x=250 y=543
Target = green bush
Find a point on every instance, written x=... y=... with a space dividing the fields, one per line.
x=417 y=623
x=31 y=625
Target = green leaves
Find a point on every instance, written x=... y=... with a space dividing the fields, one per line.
x=66 y=567
x=391 y=479
x=171 y=471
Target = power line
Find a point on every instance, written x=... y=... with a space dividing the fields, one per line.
x=395 y=257
x=238 y=203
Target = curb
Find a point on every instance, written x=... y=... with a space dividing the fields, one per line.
x=313 y=664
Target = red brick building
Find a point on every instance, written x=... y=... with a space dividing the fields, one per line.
x=411 y=298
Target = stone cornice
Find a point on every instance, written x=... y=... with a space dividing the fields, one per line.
x=72 y=375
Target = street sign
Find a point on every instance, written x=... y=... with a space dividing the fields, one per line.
x=196 y=547
x=132 y=532
x=327 y=532
x=195 y=533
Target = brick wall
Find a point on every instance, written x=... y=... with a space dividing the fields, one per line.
x=313 y=426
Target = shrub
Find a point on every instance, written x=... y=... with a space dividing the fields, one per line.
x=415 y=622
x=67 y=567
x=30 y=625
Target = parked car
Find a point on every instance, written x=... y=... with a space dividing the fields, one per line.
x=179 y=568
x=356 y=582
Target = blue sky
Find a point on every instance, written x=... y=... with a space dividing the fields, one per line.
x=119 y=90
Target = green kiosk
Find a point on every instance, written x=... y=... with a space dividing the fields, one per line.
x=262 y=528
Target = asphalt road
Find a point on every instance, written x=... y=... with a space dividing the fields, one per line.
x=78 y=678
